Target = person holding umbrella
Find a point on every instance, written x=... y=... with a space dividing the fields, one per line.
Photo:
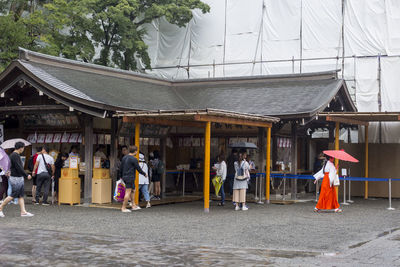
x=16 y=180
x=327 y=197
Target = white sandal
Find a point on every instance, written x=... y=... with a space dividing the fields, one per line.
x=27 y=214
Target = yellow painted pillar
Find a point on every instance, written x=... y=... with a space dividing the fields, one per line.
x=207 y=145
x=337 y=127
x=366 y=162
x=137 y=144
x=268 y=166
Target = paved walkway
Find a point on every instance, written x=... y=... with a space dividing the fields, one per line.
x=265 y=234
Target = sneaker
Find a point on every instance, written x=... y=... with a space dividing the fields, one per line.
x=45 y=203
x=136 y=208
x=237 y=208
x=221 y=204
x=338 y=211
x=148 y=205
x=36 y=203
x=2 y=214
x=245 y=207
x=28 y=214
x=126 y=210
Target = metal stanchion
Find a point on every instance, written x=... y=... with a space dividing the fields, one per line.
x=260 y=190
x=350 y=201
x=284 y=186
x=255 y=194
x=183 y=183
x=344 y=192
x=390 y=195
x=316 y=191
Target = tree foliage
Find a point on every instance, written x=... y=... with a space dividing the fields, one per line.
x=75 y=29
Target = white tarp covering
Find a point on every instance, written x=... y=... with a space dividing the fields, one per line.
x=259 y=37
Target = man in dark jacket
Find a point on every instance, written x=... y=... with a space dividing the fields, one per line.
x=16 y=180
x=129 y=166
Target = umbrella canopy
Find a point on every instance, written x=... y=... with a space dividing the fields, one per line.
x=11 y=143
x=340 y=155
x=5 y=163
x=245 y=145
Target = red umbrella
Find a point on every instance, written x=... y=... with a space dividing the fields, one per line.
x=341 y=155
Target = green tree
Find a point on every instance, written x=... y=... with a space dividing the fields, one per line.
x=115 y=26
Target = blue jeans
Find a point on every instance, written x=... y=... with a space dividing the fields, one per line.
x=144 y=188
x=9 y=192
x=222 y=191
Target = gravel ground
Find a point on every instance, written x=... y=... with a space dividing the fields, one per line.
x=280 y=227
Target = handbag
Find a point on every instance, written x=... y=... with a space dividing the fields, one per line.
x=48 y=166
x=119 y=192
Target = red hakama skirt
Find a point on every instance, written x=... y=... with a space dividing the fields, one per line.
x=327 y=197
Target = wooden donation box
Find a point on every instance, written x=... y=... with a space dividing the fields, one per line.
x=101 y=183
x=69 y=187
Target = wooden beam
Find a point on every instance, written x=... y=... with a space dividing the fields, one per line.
x=88 y=159
x=207 y=147
x=161 y=121
x=32 y=108
x=229 y=120
x=346 y=120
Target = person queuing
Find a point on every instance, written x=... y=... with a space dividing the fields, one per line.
x=45 y=172
x=129 y=166
x=31 y=165
x=157 y=170
x=59 y=164
x=231 y=170
x=240 y=184
x=144 y=180
x=221 y=172
x=327 y=197
x=16 y=180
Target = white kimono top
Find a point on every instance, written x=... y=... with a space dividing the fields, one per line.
x=329 y=167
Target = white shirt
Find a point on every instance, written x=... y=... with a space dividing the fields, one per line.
x=221 y=170
x=330 y=168
x=143 y=179
x=100 y=154
x=42 y=168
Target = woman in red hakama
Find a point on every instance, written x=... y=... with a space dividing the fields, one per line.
x=327 y=197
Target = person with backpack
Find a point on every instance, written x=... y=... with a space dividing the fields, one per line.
x=31 y=165
x=44 y=167
x=240 y=184
x=157 y=170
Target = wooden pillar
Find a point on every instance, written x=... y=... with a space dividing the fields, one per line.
x=262 y=152
x=137 y=144
x=294 y=160
x=87 y=194
x=337 y=128
x=163 y=154
x=207 y=146
x=366 y=162
x=114 y=148
x=268 y=167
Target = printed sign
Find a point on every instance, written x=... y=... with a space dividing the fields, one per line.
x=80 y=138
x=65 y=138
x=74 y=138
x=73 y=162
x=32 y=138
x=100 y=139
x=41 y=138
x=57 y=138
x=49 y=138
x=97 y=163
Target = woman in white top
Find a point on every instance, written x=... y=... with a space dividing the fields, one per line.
x=327 y=197
x=240 y=185
x=221 y=172
x=144 y=180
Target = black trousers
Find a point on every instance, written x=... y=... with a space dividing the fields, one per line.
x=44 y=180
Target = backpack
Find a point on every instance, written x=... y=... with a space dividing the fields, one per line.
x=160 y=168
x=30 y=164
